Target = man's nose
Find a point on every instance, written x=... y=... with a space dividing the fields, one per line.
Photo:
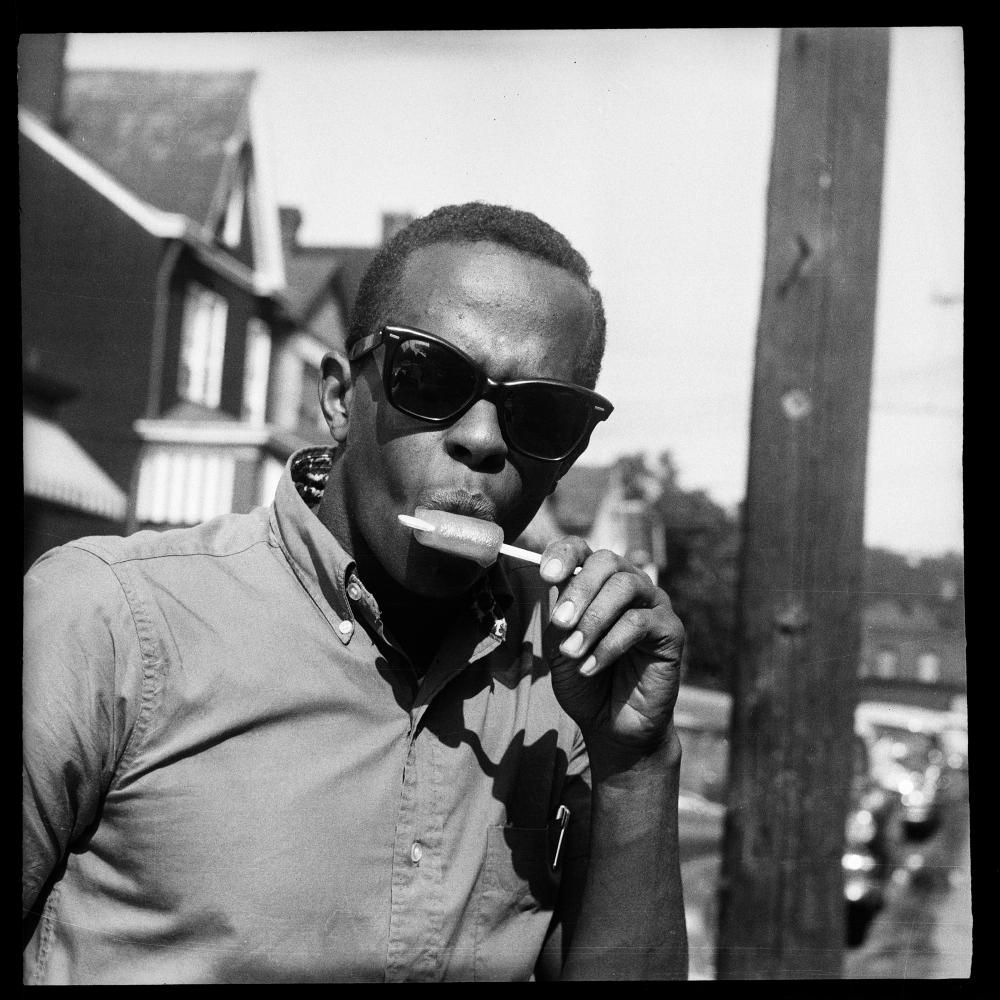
x=475 y=440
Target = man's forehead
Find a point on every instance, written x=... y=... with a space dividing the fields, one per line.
x=492 y=277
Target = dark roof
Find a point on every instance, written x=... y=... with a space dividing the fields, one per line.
x=575 y=501
x=354 y=262
x=308 y=272
x=313 y=271
x=161 y=134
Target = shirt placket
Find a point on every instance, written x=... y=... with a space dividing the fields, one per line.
x=417 y=913
x=416 y=910
x=416 y=939
x=416 y=936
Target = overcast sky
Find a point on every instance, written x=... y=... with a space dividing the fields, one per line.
x=650 y=151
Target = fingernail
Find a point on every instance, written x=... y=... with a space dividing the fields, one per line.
x=564 y=613
x=552 y=570
x=573 y=644
x=588 y=666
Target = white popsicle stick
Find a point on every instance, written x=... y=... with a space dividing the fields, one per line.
x=508 y=550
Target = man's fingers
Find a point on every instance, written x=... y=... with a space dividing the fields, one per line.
x=587 y=616
x=560 y=558
x=657 y=629
x=583 y=588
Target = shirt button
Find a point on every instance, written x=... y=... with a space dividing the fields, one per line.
x=416 y=852
x=345 y=628
x=353 y=591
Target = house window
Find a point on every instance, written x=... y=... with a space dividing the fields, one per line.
x=203 y=340
x=928 y=667
x=255 y=376
x=184 y=485
x=886 y=663
x=232 y=227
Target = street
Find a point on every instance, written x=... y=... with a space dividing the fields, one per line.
x=925 y=930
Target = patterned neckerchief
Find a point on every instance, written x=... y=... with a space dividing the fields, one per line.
x=310 y=470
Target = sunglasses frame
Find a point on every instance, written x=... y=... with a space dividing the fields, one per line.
x=485 y=387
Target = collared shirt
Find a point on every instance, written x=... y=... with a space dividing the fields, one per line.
x=232 y=775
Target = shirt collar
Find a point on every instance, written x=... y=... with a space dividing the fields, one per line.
x=319 y=561
x=329 y=573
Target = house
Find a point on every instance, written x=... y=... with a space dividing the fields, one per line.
x=157 y=290
x=610 y=508
x=322 y=284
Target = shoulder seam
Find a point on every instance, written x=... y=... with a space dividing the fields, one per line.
x=127 y=751
x=125 y=559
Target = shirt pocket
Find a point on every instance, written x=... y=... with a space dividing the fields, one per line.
x=517 y=860
x=516 y=896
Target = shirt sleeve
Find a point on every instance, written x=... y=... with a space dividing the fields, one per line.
x=81 y=688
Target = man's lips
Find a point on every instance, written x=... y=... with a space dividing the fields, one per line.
x=457 y=500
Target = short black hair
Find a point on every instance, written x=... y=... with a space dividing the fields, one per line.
x=476 y=222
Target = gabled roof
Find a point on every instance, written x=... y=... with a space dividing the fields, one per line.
x=166 y=225
x=309 y=273
x=153 y=220
x=353 y=262
x=166 y=136
x=314 y=272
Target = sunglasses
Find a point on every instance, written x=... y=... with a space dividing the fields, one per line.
x=427 y=378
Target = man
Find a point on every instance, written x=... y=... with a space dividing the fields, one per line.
x=297 y=745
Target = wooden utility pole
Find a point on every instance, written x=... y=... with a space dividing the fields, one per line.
x=782 y=911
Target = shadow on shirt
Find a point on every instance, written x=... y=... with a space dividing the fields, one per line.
x=528 y=778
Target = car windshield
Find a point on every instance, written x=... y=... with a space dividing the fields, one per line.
x=908 y=749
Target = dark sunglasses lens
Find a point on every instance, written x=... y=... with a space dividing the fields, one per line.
x=546 y=421
x=429 y=380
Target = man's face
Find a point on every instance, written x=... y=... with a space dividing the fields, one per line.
x=518 y=317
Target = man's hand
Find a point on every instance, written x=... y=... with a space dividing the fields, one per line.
x=614 y=645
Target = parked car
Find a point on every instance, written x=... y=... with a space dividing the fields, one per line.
x=871 y=843
x=909 y=760
x=702 y=720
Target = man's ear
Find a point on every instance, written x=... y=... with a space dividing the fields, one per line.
x=335 y=390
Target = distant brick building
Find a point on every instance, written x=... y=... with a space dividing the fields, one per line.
x=909 y=655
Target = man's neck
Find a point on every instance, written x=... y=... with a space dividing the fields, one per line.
x=418 y=624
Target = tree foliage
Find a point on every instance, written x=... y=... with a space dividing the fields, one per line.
x=937 y=583
x=700 y=570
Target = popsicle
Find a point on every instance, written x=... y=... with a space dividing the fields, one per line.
x=461 y=535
